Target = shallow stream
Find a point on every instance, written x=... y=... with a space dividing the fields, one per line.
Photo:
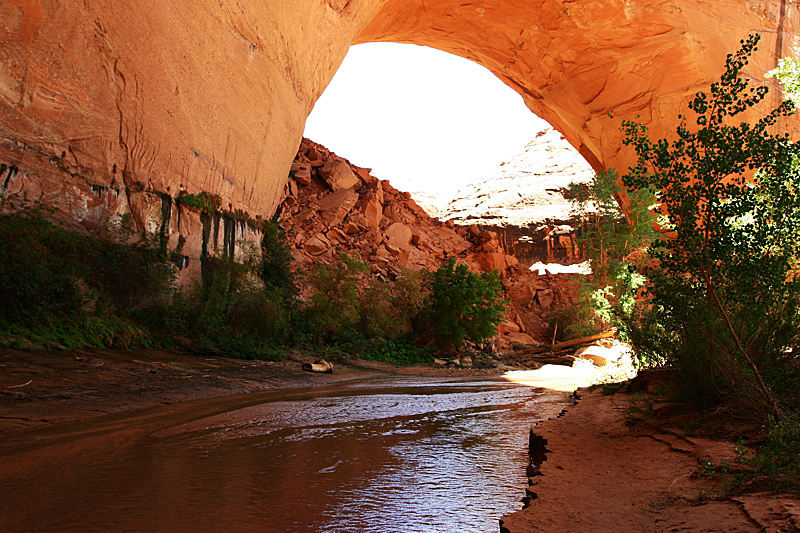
x=378 y=455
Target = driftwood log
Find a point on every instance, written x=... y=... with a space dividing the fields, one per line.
x=320 y=365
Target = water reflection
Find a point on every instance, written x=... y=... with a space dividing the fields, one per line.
x=400 y=456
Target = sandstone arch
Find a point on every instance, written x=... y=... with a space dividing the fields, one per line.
x=212 y=94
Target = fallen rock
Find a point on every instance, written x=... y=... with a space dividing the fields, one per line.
x=317 y=245
x=521 y=294
x=337 y=205
x=520 y=339
x=508 y=327
x=491 y=261
x=545 y=298
x=399 y=235
x=301 y=172
x=338 y=175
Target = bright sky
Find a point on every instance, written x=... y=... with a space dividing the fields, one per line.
x=424 y=119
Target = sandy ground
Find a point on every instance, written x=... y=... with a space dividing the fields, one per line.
x=598 y=476
x=47 y=388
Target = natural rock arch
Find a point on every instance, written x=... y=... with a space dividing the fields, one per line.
x=576 y=62
x=212 y=95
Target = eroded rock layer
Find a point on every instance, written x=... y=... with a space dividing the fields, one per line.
x=211 y=95
x=526 y=201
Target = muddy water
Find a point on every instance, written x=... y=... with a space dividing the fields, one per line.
x=398 y=455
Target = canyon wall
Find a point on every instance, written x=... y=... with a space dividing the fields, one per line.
x=527 y=201
x=110 y=107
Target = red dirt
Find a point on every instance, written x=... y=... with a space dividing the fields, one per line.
x=601 y=477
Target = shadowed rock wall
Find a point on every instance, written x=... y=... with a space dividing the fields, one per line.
x=103 y=103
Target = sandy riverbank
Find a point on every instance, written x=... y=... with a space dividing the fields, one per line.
x=599 y=476
x=49 y=388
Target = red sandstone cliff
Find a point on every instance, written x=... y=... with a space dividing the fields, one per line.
x=155 y=98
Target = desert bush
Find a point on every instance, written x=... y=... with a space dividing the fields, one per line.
x=61 y=289
x=276 y=259
x=388 y=308
x=723 y=291
x=334 y=307
x=399 y=351
x=461 y=306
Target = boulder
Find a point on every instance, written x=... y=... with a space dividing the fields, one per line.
x=520 y=339
x=399 y=234
x=545 y=298
x=337 y=205
x=370 y=203
x=338 y=175
x=507 y=327
x=491 y=261
x=301 y=172
x=317 y=244
x=521 y=294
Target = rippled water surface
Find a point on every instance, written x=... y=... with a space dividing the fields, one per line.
x=401 y=455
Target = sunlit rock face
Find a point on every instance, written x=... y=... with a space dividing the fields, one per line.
x=102 y=101
x=530 y=189
x=527 y=201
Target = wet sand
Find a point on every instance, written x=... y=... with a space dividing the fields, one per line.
x=49 y=388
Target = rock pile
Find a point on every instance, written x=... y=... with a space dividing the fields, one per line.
x=330 y=206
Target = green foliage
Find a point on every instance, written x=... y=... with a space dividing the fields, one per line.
x=399 y=351
x=65 y=291
x=388 y=308
x=776 y=465
x=60 y=289
x=788 y=73
x=334 y=306
x=204 y=202
x=724 y=298
x=461 y=305
x=616 y=245
x=276 y=259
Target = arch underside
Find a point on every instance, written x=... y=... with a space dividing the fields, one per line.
x=576 y=63
x=212 y=95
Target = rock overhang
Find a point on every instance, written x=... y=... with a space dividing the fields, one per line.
x=190 y=96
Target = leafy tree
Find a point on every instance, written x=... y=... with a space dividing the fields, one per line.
x=788 y=73
x=276 y=259
x=462 y=305
x=724 y=294
x=615 y=243
x=334 y=307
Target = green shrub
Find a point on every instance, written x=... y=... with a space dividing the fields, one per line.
x=203 y=202
x=461 y=306
x=334 y=306
x=399 y=351
x=276 y=259
x=388 y=308
x=776 y=463
x=61 y=289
